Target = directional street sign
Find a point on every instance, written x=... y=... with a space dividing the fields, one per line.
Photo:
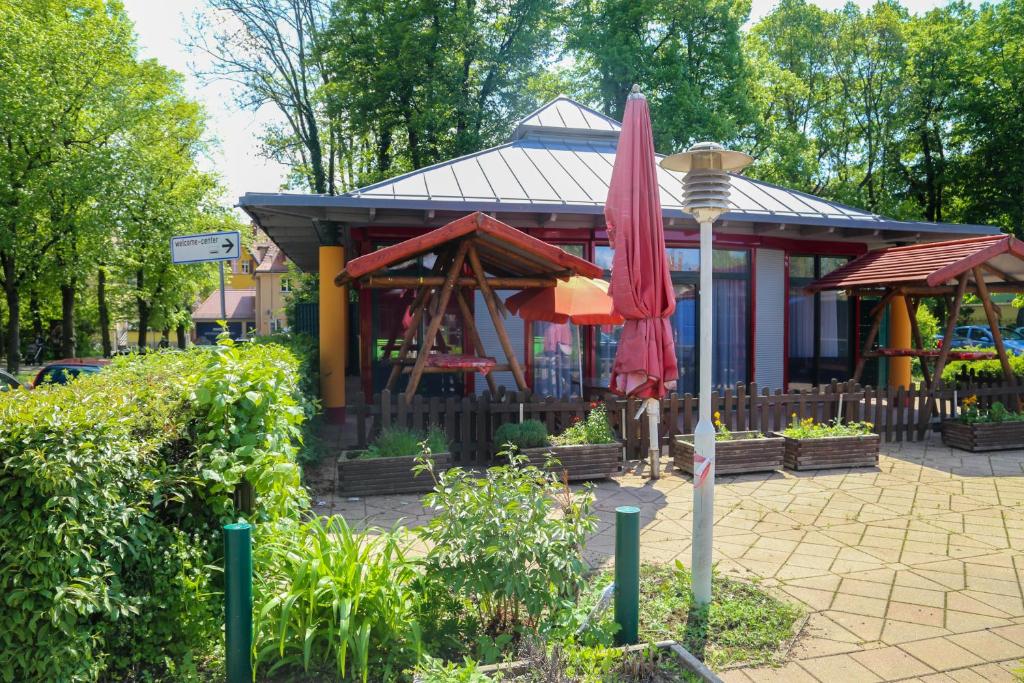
x=210 y=246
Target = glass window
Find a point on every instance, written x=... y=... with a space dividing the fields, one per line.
x=731 y=331
x=556 y=359
x=819 y=324
x=286 y=285
x=245 y=267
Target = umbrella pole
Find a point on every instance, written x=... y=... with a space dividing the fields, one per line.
x=704 y=437
x=654 y=446
x=579 y=355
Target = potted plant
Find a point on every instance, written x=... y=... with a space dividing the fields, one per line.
x=386 y=466
x=586 y=449
x=979 y=429
x=735 y=452
x=814 y=445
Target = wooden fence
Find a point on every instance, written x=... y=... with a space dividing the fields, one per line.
x=470 y=422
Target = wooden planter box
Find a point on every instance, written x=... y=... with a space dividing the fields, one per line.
x=745 y=453
x=983 y=436
x=586 y=461
x=830 y=452
x=380 y=476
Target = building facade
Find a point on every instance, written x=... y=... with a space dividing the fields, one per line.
x=551 y=179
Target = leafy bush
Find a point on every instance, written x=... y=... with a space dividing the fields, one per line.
x=807 y=428
x=395 y=442
x=525 y=434
x=334 y=602
x=594 y=429
x=983 y=369
x=112 y=493
x=972 y=413
x=505 y=555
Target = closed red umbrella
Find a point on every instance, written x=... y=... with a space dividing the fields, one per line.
x=645 y=361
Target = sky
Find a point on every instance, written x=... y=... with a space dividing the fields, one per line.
x=162 y=28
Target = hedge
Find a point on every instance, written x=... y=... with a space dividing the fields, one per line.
x=112 y=493
x=983 y=369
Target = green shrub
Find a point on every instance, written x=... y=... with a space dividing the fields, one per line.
x=983 y=369
x=807 y=428
x=505 y=555
x=395 y=442
x=594 y=429
x=112 y=493
x=333 y=602
x=525 y=434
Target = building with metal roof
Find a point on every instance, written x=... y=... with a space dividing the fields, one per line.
x=551 y=179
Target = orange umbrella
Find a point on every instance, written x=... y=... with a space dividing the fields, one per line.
x=579 y=300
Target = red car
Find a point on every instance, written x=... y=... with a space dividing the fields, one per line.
x=61 y=371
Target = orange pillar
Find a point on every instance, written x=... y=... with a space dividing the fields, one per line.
x=899 y=338
x=333 y=334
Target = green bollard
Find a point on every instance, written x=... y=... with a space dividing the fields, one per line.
x=627 y=574
x=238 y=602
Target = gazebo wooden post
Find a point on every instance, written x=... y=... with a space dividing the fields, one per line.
x=953 y=313
x=474 y=336
x=876 y=322
x=435 y=321
x=993 y=323
x=419 y=304
x=499 y=326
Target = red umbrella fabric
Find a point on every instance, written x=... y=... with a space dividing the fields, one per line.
x=579 y=300
x=645 y=362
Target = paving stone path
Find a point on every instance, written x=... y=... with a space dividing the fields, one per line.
x=911 y=571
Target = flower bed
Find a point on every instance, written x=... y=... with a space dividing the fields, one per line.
x=587 y=449
x=744 y=452
x=979 y=429
x=361 y=476
x=818 y=446
x=387 y=465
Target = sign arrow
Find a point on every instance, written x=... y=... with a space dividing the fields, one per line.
x=228 y=246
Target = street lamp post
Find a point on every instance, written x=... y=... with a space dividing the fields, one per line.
x=706 y=197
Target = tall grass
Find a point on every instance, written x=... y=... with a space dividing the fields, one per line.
x=335 y=602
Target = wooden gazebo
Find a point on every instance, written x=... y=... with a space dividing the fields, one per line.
x=472 y=252
x=949 y=270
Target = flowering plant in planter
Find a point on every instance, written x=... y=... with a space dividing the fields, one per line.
x=735 y=452
x=586 y=449
x=984 y=429
x=386 y=466
x=814 y=445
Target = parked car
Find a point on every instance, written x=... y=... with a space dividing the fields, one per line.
x=981 y=335
x=8 y=382
x=62 y=371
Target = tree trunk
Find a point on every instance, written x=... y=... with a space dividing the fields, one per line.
x=165 y=338
x=182 y=338
x=67 y=320
x=140 y=279
x=13 y=316
x=104 y=312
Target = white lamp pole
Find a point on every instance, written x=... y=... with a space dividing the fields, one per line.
x=705 y=197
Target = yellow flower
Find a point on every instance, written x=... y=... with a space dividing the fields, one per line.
x=794 y=414
x=718 y=415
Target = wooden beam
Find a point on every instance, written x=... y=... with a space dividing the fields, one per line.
x=469 y=321
x=435 y=322
x=419 y=305
x=876 y=314
x=915 y=331
x=413 y=282
x=993 y=324
x=1005 y=277
x=491 y=299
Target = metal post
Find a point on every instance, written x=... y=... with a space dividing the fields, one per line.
x=223 y=303
x=653 y=408
x=704 y=437
x=238 y=602
x=627 y=574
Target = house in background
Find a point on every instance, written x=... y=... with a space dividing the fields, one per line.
x=551 y=180
x=256 y=291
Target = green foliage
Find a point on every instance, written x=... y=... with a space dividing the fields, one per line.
x=929 y=326
x=505 y=556
x=335 y=602
x=807 y=428
x=595 y=429
x=395 y=442
x=525 y=434
x=434 y=670
x=972 y=413
x=989 y=369
x=112 y=494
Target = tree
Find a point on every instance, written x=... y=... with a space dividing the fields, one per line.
x=685 y=55
x=60 y=69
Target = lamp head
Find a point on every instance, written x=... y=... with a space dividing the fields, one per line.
x=706 y=183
